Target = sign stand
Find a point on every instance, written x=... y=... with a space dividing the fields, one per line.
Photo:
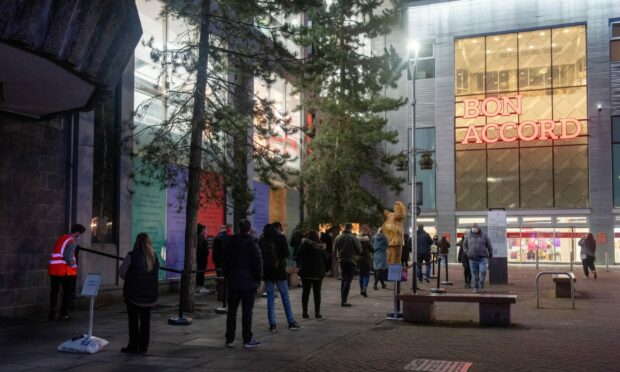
x=394 y=275
x=87 y=343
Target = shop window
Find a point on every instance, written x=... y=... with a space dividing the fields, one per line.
x=572 y=220
x=105 y=169
x=469 y=66
x=614 y=54
x=468 y=221
x=503 y=178
x=471 y=183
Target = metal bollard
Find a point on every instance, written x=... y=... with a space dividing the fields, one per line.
x=607 y=261
x=572 y=258
x=536 y=258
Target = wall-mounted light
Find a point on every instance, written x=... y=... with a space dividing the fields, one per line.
x=599 y=106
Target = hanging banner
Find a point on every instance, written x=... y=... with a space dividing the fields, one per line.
x=176 y=217
x=261 y=206
x=149 y=209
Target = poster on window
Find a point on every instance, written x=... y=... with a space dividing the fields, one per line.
x=497 y=233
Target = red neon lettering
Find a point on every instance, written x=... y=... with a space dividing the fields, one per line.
x=470 y=108
x=471 y=134
x=547 y=127
x=564 y=122
x=485 y=133
x=508 y=104
x=502 y=134
x=485 y=107
x=521 y=127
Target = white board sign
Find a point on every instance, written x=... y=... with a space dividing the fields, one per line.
x=394 y=272
x=497 y=233
x=91 y=285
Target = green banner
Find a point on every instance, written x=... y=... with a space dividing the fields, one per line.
x=149 y=211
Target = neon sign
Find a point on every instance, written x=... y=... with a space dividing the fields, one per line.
x=528 y=130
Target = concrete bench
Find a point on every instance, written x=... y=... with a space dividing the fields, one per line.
x=562 y=285
x=494 y=309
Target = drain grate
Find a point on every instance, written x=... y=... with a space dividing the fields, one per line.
x=428 y=365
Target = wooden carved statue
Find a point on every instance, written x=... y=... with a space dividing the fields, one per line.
x=393 y=230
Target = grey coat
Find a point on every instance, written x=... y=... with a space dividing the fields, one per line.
x=477 y=246
x=380 y=246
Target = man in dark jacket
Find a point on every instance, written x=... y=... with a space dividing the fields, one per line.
x=274 y=249
x=219 y=246
x=423 y=242
x=477 y=246
x=243 y=268
x=348 y=247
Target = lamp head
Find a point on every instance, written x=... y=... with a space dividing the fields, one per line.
x=414 y=47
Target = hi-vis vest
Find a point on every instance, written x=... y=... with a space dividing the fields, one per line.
x=58 y=266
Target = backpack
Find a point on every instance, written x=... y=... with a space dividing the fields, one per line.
x=269 y=254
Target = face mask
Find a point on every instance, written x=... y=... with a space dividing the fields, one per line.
x=475 y=230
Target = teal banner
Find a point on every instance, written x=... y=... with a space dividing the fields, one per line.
x=149 y=211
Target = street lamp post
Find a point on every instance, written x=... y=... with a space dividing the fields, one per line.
x=413 y=51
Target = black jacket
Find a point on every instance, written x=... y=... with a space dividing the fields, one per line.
x=424 y=242
x=280 y=245
x=312 y=259
x=243 y=264
x=219 y=246
x=141 y=286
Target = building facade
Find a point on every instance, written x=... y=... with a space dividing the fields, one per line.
x=516 y=102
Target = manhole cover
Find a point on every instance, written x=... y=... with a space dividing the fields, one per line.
x=429 y=365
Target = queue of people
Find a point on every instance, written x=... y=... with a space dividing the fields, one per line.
x=247 y=258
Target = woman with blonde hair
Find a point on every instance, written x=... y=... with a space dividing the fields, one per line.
x=140 y=271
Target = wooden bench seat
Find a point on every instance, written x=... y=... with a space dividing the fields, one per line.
x=494 y=309
x=562 y=285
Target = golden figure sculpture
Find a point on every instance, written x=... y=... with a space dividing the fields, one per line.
x=393 y=230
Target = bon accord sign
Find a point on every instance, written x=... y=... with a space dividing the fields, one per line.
x=527 y=130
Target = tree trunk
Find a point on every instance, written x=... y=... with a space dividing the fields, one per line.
x=188 y=281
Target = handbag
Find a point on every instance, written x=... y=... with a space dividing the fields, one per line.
x=583 y=256
x=404 y=275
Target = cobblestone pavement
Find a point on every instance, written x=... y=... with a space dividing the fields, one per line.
x=554 y=338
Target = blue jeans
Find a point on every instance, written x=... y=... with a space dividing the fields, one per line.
x=364 y=279
x=426 y=257
x=479 y=271
x=283 y=289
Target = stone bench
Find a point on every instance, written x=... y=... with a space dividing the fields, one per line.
x=494 y=309
x=562 y=285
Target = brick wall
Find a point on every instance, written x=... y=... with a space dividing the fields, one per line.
x=33 y=164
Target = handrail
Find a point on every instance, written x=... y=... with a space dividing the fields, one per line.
x=570 y=279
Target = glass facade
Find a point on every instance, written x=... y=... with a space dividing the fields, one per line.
x=615 y=139
x=521 y=127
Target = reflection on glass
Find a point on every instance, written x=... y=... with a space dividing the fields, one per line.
x=534 y=60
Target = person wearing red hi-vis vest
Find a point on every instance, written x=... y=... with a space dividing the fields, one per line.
x=63 y=270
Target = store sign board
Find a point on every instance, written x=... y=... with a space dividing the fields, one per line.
x=527 y=130
x=497 y=233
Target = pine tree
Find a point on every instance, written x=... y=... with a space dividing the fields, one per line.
x=343 y=86
x=213 y=114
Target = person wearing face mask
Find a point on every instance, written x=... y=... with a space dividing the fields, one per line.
x=477 y=246
x=62 y=270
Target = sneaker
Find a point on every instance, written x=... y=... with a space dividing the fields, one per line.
x=595 y=276
x=65 y=317
x=230 y=344
x=129 y=350
x=427 y=280
x=375 y=288
x=345 y=304
x=586 y=277
x=294 y=326
x=318 y=317
x=384 y=286
x=272 y=328
x=251 y=343
x=364 y=293
x=306 y=316
x=476 y=290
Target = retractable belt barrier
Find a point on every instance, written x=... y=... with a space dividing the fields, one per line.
x=161 y=268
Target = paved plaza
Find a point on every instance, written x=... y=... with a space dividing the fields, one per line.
x=554 y=338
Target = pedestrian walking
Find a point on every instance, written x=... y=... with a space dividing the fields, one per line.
x=404 y=255
x=477 y=246
x=443 y=248
x=365 y=263
x=274 y=250
x=243 y=268
x=62 y=269
x=202 y=254
x=348 y=248
x=587 y=255
x=380 y=246
x=140 y=271
x=462 y=258
x=312 y=261
x=424 y=243
x=328 y=240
